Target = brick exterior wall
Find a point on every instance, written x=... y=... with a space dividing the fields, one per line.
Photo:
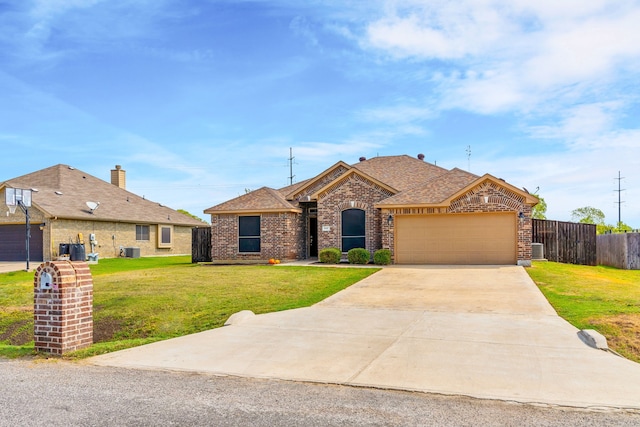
x=353 y=192
x=281 y=237
x=63 y=314
x=284 y=235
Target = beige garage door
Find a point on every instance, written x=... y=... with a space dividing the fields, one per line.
x=456 y=239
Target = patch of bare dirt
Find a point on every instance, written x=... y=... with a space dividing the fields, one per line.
x=625 y=333
x=104 y=329
x=18 y=333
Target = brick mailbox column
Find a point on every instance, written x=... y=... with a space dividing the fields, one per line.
x=63 y=306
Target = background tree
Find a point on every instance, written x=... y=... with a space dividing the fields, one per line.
x=182 y=211
x=622 y=228
x=588 y=215
x=539 y=211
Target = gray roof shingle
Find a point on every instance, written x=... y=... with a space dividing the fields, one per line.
x=435 y=191
x=261 y=200
x=63 y=192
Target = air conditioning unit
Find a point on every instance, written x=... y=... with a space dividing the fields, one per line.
x=132 y=252
x=537 y=251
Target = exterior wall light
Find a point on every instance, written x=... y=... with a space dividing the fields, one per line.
x=390 y=220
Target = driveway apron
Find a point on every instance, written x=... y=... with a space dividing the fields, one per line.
x=481 y=331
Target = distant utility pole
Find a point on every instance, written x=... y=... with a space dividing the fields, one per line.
x=291 y=158
x=619 y=202
x=468 y=150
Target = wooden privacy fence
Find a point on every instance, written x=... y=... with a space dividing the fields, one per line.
x=619 y=250
x=566 y=242
x=201 y=244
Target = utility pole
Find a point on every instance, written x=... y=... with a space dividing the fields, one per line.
x=291 y=158
x=619 y=202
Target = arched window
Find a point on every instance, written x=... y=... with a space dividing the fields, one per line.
x=353 y=229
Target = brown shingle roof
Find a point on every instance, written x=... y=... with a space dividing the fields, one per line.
x=417 y=182
x=400 y=172
x=285 y=191
x=434 y=191
x=263 y=199
x=77 y=188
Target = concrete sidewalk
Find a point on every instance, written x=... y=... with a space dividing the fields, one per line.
x=10 y=266
x=485 y=332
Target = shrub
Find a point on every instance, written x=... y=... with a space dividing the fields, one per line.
x=358 y=256
x=330 y=255
x=382 y=257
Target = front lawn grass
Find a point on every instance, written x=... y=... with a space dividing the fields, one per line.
x=602 y=298
x=138 y=301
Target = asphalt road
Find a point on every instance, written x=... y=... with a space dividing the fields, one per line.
x=56 y=393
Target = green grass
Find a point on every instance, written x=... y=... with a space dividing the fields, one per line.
x=602 y=298
x=137 y=301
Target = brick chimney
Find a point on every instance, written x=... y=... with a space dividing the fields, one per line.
x=119 y=177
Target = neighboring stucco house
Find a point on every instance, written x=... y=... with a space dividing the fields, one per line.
x=423 y=213
x=60 y=214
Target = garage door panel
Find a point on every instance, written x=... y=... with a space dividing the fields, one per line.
x=12 y=243
x=456 y=239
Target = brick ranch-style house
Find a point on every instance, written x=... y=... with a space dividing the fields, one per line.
x=423 y=213
x=60 y=214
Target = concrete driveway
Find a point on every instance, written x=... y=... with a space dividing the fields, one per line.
x=479 y=331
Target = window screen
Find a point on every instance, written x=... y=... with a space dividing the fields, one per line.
x=165 y=236
x=249 y=234
x=353 y=229
x=142 y=232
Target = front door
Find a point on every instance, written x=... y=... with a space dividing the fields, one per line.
x=313 y=237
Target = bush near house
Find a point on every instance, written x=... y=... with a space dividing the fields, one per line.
x=330 y=255
x=358 y=256
x=382 y=257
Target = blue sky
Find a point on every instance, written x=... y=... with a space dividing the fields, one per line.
x=199 y=100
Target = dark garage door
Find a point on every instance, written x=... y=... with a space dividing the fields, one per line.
x=12 y=245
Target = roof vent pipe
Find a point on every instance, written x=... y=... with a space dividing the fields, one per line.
x=421 y=156
x=362 y=159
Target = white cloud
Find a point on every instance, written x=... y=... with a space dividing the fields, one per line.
x=317 y=151
x=397 y=114
x=438 y=29
x=302 y=28
x=513 y=55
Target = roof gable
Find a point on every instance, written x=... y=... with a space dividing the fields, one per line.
x=507 y=189
x=264 y=199
x=62 y=192
x=353 y=173
x=312 y=185
x=448 y=189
